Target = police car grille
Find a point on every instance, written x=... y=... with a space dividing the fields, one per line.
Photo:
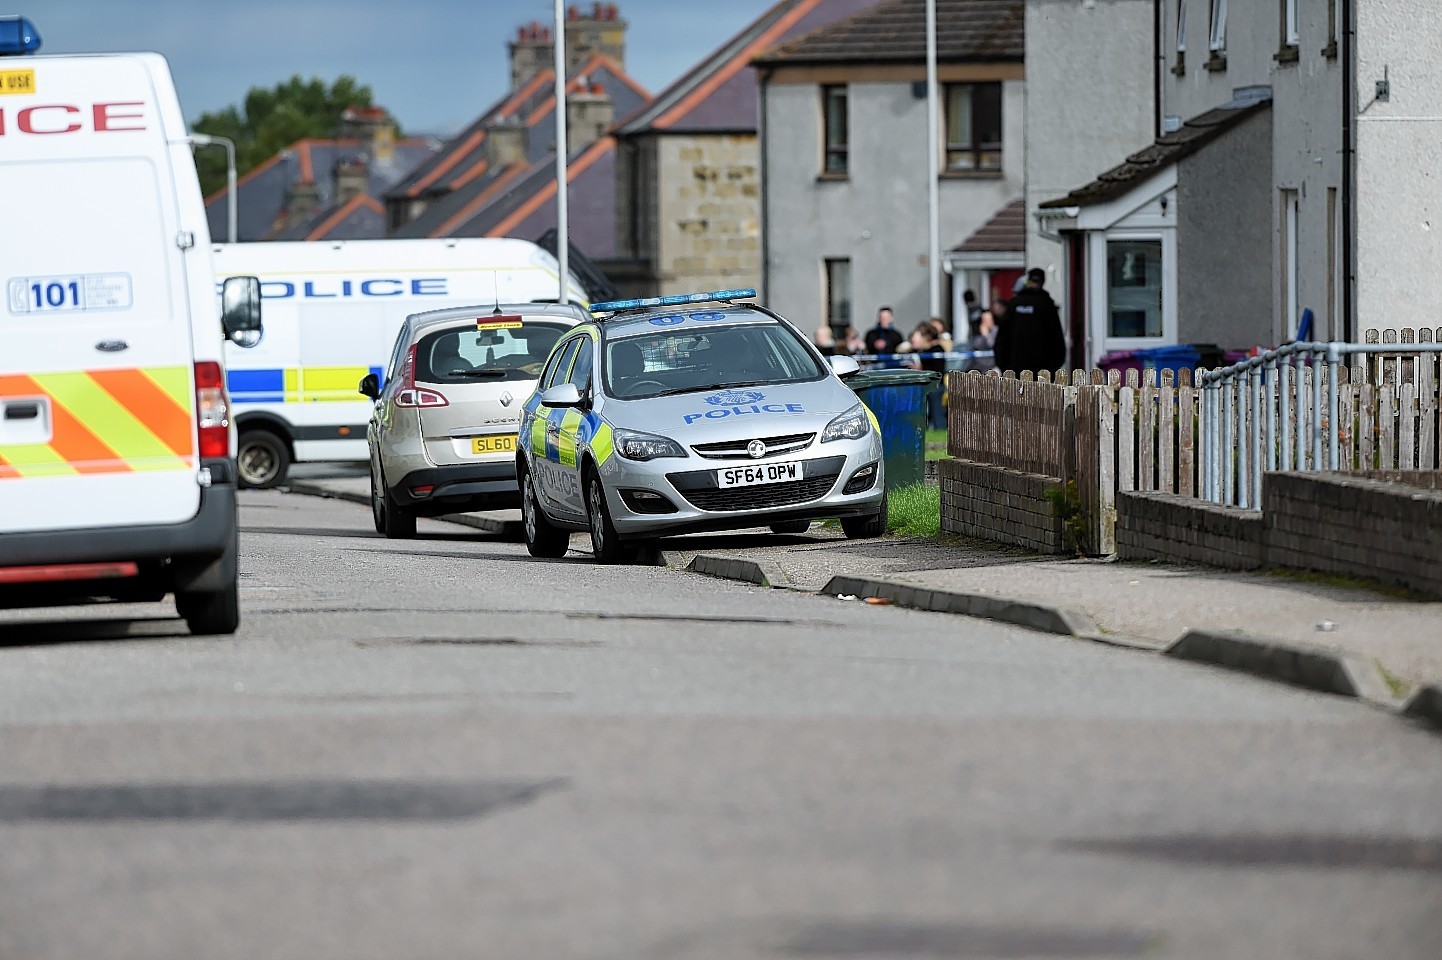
x=762 y=497
x=731 y=449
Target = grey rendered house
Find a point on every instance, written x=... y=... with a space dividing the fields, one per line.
x=1292 y=164
x=844 y=155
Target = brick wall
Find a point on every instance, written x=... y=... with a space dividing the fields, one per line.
x=994 y=503
x=1357 y=526
x=1178 y=528
x=1385 y=526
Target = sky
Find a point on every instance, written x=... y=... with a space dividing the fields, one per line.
x=435 y=64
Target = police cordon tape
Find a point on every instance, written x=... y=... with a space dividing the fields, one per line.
x=903 y=357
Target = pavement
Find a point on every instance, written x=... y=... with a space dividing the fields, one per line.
x=1344 y=638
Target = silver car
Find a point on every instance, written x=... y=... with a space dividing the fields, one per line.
x=442 y=436
x=654 y=420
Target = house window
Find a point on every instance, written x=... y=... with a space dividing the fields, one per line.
x=1134 y=288
x=1287 y=52
x=1181 y=65
x=838 y=295
x=1291 y=312
x=1330 y=50
x=838 y=136
x=973 y=127
x=1219 y=26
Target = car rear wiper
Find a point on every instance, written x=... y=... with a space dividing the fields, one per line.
x=479 y=374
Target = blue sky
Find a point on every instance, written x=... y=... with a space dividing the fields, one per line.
x=435 y=64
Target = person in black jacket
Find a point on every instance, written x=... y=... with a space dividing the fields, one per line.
x=883 y=338
x=1030 y=337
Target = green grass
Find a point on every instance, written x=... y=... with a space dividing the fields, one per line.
x=936 y=444
x=914 y=511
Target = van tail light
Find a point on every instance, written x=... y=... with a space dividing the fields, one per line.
x=412 y=396
x=212 y=410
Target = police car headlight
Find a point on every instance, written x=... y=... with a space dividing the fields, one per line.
x=634 y=445
x=851 y=425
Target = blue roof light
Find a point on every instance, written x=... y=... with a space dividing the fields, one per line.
x=17 y=36
x=676 y=301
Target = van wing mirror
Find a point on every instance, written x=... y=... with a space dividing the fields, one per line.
x=370 y=386
x=240 y=310
x=844 y=366
x=561 y=395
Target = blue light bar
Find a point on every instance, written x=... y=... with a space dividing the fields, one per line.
x=17 y=36
x=680 y=299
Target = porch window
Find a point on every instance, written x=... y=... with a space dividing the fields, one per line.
x=1134 y=288
x=838 y=134
x=973 y=127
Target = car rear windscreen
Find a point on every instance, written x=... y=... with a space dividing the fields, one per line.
x=468 y=355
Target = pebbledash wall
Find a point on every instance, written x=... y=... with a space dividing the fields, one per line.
x=1384 y=526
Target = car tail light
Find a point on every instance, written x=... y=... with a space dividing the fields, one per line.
x=412 y=396
x=212 y=410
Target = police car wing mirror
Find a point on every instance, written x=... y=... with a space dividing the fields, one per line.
x=561 y=395
x=240 y=310
x=370 y=386
x=844 y=366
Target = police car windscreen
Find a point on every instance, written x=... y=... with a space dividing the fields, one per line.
x=679 y=361
x=468 y=355
x=84 y=241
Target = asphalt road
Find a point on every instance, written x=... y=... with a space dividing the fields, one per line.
x=442 y=748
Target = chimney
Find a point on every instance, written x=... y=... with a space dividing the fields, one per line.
x=302 y=202
x=372 y=128
x=505 y=143
x=590 y=112
x=352 y=177
x=597 y=30
x=531 y=52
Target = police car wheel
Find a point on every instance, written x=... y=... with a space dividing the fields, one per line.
x=791 y=526
x=261 y=459
x=542 y=539
x=866 y=527
x=605 y=544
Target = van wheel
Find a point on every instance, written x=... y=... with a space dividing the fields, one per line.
x=866 y=527
x=262 y=459
x=542 y=539
x=213 y=613
x=391 y=519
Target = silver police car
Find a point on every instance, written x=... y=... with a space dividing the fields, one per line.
x=673 y=415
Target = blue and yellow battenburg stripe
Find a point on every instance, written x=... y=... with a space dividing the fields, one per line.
x=298 y=384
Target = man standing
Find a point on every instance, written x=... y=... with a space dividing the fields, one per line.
x=884 y=337
x=1030 y=337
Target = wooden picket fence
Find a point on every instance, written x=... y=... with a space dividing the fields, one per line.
x=1112 y=433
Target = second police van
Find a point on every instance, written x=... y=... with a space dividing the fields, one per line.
x=332 y=312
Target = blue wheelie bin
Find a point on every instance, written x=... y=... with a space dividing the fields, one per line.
x=898 y=399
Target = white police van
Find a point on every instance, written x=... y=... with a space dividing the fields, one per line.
x=332 y=311
x=117 y=470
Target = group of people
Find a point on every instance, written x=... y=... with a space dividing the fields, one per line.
x=1023 y=333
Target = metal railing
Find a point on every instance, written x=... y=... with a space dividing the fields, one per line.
x=1257 y=416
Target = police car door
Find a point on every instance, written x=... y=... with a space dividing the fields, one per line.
x=544 y=436
x=573 y=421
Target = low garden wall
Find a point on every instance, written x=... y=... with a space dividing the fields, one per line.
x=996 y=503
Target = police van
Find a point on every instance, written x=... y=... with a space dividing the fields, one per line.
x=117 y=470
x=332 y=312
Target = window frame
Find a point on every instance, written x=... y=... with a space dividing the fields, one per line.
x=839 y=151
x=827 y=264
x=1217 y=35
x=1179 y=67
x=1333 y=13
x=976 y=151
